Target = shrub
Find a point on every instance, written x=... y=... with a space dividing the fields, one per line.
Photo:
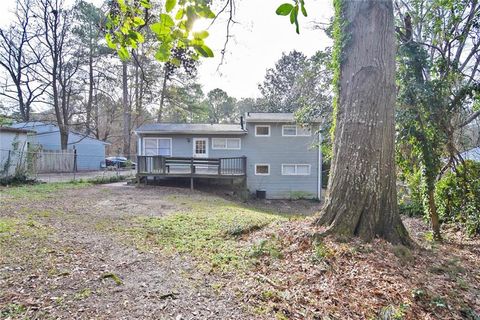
x=411 y=198
x=457 y=196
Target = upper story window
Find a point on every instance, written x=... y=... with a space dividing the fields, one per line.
x=226 y=143
x=262 y=131
x=295 y=131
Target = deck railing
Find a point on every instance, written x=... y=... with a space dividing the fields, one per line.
x=161 y=165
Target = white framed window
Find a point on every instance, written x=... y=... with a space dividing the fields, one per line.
x=291 y=130
x=293 y=169
x=262 y=169
x=262 y=131
x=226 y=143
x=157 y=146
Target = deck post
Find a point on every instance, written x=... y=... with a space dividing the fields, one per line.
x=191 y=183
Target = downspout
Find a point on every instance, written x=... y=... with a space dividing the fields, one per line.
x=319 y=187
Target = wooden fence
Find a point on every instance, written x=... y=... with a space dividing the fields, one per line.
x=46 y=161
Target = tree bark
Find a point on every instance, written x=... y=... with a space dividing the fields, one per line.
x=362 y=199
x=126 y=111
x=162 y=96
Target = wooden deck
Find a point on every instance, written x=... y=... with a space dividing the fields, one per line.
x=181 y=167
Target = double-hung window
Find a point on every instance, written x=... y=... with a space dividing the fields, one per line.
x=262 y=131
x=158 y=146
x=291 y=130
x=295 y=169
x=226 y=143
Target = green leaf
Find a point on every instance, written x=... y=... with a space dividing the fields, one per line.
x=170 y=4
x=204 y=51
x=123 y=53
x=166 y=20
x=284 y=9
x=292 y=17
x=179 y=14
x=146 y=4
x=304 y=11
x=200 y=35
x=110 y=44
x=163 y=53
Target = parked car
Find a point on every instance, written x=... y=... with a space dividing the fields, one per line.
x=119 y=162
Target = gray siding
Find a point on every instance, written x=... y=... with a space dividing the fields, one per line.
x=182 y=145
x=90 y=152
x=274 y=150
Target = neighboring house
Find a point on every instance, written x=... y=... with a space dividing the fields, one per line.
x=472 y=154
x=90 y=151
x=269 y=152
x=13 y=150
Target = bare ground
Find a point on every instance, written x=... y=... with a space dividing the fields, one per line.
x=72 y=272
x=70 y=254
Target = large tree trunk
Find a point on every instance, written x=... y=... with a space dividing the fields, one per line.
x=362 y=199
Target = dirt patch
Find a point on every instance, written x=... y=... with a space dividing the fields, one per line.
x=63 y=275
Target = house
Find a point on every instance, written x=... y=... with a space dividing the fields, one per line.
x=13 y=150
x=472 y=154
x=90 y=151
x=269 y=152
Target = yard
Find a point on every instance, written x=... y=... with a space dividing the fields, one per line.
x=76 y=250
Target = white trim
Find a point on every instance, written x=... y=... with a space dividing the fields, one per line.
x=296 y=169
x=262 y=164
x=296 y=131
x=320 y=163
x=226 y=144
x=263 y=135
x=194 y=149
x=157 y=138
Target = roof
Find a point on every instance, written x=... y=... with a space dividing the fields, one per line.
x=269 y=117
x=472 y=154
x=187 y=128
x=47 y=128
x=15 y=130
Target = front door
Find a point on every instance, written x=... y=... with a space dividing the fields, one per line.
x=200 y=147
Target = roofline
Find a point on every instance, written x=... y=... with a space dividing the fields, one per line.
x=190 y=132
x=15 y=130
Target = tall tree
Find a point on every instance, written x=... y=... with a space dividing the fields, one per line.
x=19 y=56
x=362 y=199
x=221 y=106
x=439 y=77
x=89 y=23
x=281 y=87
x=60 y=62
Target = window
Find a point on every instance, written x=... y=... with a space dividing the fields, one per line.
x=295 y=131
x=262 y=131
x=157 y=146
x=262 y=169
x=226 y=143
x=295 y=169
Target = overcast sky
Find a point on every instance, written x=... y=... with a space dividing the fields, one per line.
x=258 y=40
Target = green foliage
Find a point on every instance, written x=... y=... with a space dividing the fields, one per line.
x=266 y=247
x=206 y=229
x=340 y=39
x=173 y=29
x=320 y=252
x=291 y=10
x=458 y=197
